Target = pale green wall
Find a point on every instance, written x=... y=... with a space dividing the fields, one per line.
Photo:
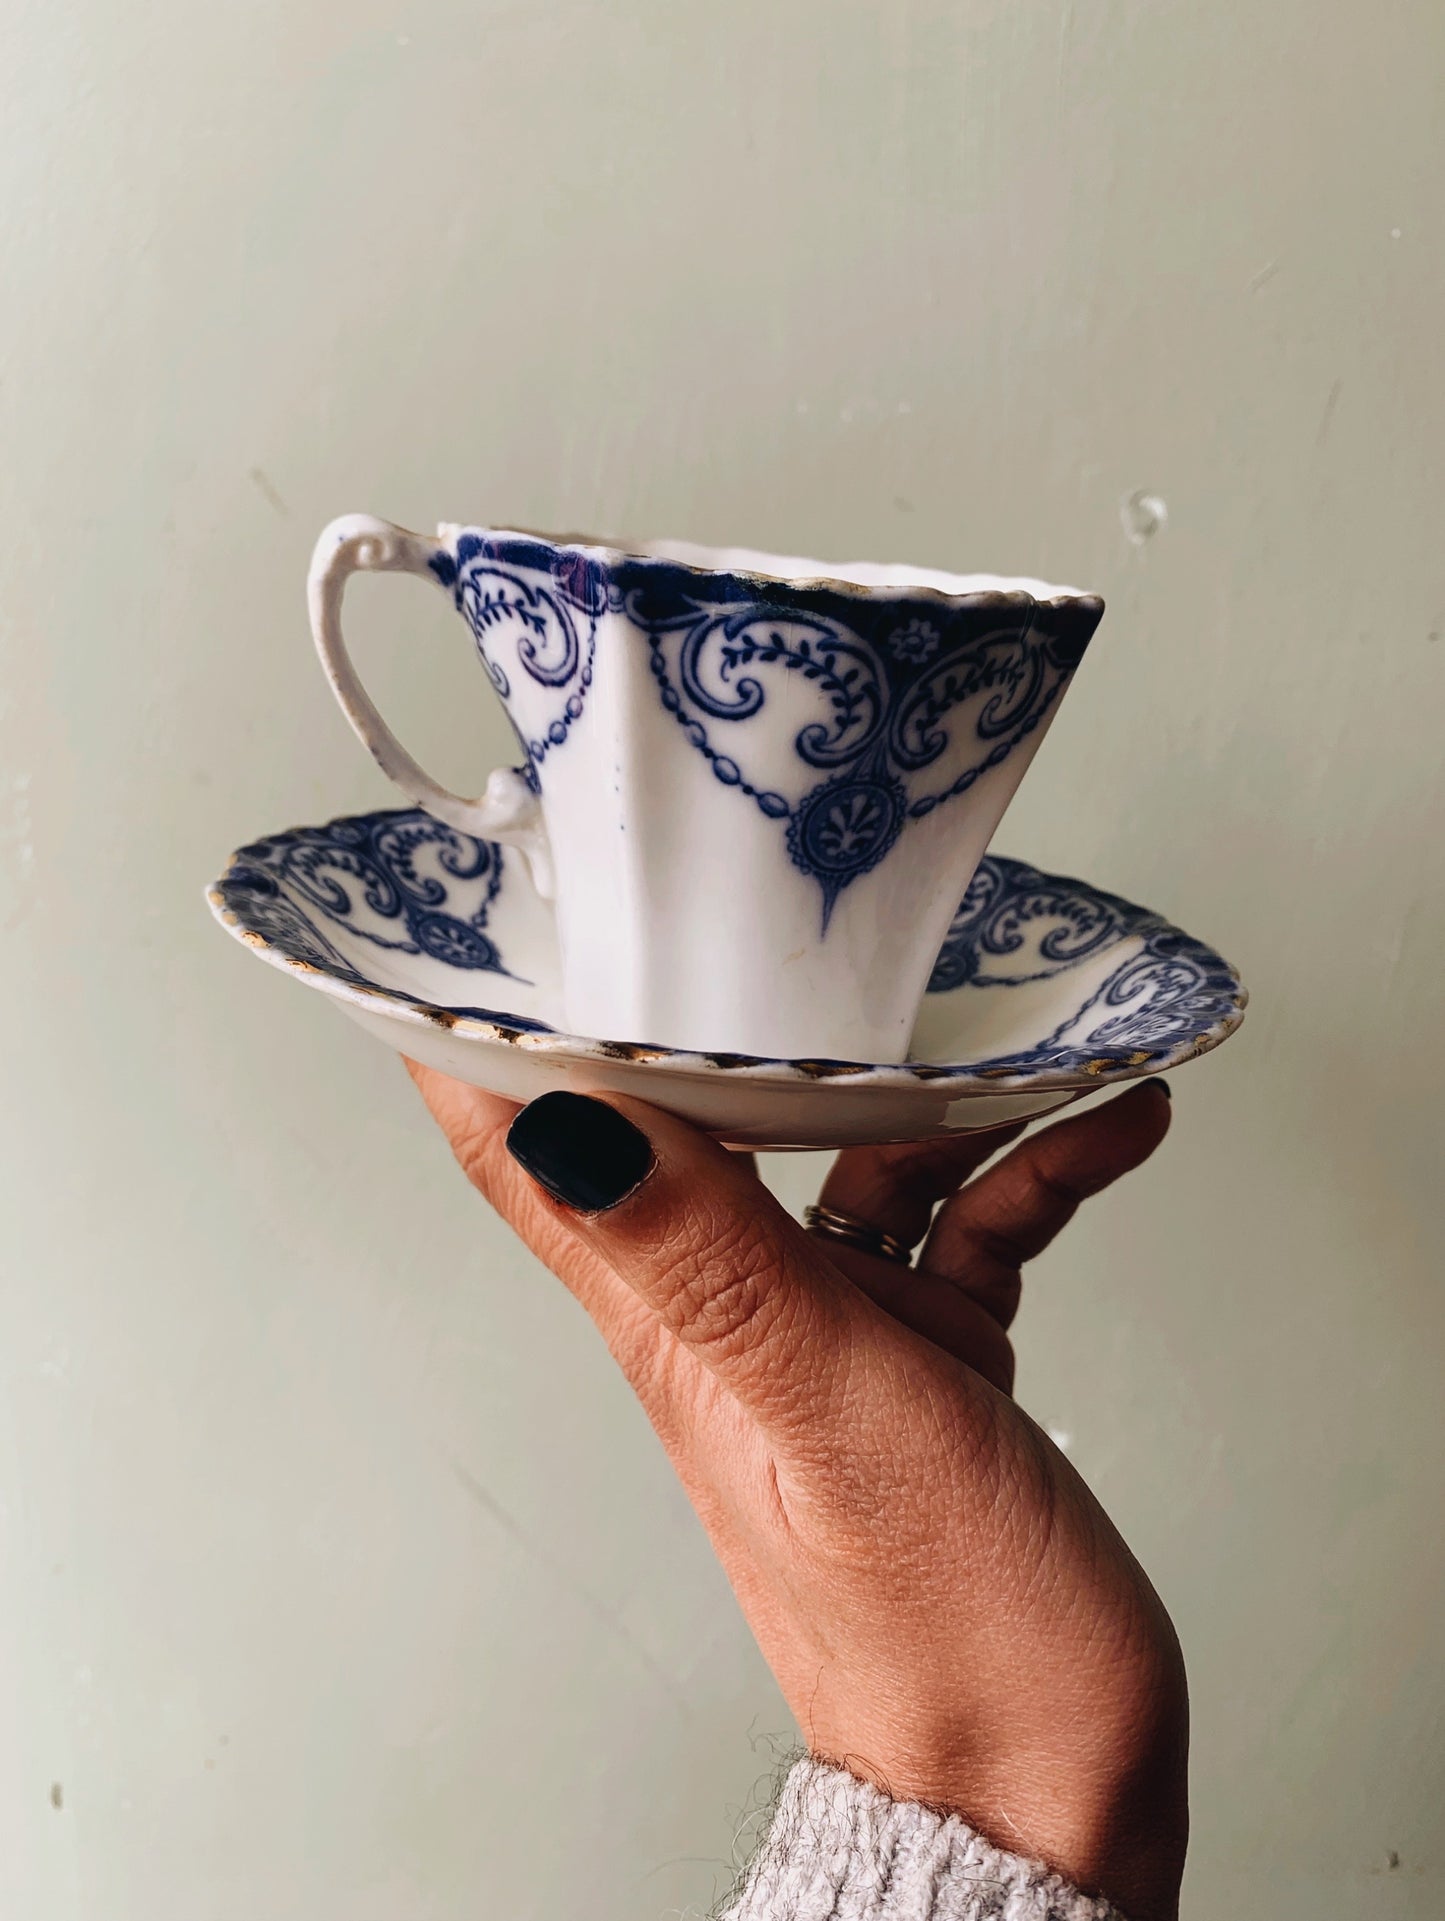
x=922 y=281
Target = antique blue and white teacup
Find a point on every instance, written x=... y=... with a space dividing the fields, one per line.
x=754 y=788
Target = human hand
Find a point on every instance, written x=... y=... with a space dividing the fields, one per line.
x=947 y=1609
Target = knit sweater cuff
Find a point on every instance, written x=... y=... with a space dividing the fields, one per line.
x=839 y=1850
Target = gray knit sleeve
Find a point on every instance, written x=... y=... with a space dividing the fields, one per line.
x=838 y=1850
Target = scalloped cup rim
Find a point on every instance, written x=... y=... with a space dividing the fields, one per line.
x=861 y=579
x=520 y=1032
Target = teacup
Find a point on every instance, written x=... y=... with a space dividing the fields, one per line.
x=754 y=788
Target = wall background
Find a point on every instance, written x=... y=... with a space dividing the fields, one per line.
x=338 y=1575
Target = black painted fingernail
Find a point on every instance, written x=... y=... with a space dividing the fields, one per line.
x=584 y=1153
x=1158 y=1080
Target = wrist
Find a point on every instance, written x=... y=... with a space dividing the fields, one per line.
x=1125 y=1841
x=1112 y=1823
x=1093 y=1781
x=839 y=1849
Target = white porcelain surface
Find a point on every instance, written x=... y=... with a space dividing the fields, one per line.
x=755 y=787
x=440 y=946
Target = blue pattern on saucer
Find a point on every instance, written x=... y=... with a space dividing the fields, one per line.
x=1016 y=925
x=398 y=883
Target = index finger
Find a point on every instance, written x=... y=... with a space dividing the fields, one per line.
x=696 y=1237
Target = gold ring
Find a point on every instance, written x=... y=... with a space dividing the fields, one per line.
x=829 y=1224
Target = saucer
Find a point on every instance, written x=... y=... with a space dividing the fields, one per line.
x=1045 y=989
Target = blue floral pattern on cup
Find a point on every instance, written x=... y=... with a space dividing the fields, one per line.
x=888 y=686
x=547 y=616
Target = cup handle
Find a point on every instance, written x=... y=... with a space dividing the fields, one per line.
x=510 y=810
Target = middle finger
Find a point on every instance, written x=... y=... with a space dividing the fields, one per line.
x=897 y=1188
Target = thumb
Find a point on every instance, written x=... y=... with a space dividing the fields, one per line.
x=692 y=1231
